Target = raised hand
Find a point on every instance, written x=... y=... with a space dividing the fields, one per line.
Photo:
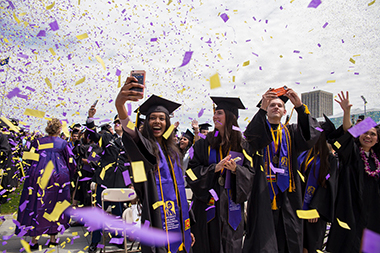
x=344 y=101
x=293 y=97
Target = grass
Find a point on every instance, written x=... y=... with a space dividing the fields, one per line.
x=12 y=205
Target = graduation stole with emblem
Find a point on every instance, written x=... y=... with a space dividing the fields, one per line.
x=234 y=209
x=280 y=148
x=312 y=163
x=171 y=193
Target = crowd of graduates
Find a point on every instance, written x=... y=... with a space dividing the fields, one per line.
x=275 y=187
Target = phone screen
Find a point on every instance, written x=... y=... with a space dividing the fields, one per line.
x=140 y=80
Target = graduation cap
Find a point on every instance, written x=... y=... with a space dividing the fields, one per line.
x=75 y=131
x=139 y=121
x=105 y=126
x=229 y=104
x=75 y=126
x=327 y=126
x=14 y=121
x=158 y=104
x=189 y=135
x=116 y=118
x=204 y=126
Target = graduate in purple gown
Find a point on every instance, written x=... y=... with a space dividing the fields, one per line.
x=35 y=201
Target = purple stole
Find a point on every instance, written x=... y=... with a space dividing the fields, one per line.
x=234 y=210
x=171 y=191
x=312 y=180
x=279 y=181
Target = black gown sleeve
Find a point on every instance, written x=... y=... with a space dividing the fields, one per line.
x=258 y=133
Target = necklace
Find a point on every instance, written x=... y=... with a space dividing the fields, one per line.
x=366 y=163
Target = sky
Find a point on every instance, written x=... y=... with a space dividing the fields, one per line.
x=64 y=55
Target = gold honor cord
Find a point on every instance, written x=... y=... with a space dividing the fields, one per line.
x=276 y=138
x=163 y=206
x=266 y=164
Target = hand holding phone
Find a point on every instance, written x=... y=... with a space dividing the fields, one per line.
x=140 y=76
x=280 y=91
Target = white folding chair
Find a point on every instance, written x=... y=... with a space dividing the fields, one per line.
x=128 y=217
x=117 y=195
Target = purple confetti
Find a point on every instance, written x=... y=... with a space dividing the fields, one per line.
x=85 y=179
x=23 y=205
x=30 y=88
x=97 y=44
x=129 y=105
x=21 y=55
x=314 y=4
x=10 y=5
x=131 y=194
x=214 y=194
x=356 y=73
x=3 y=191
x=362 y=127
x=54 y=25
x=191 y=152
x=319 y=45
x=200 y=113
x=69 y=56
x=41 y=33
x=153 y=39
x=118 y=72
x=208 y=208
x=371 y=241
x=225 y=17
x=324 y=26
x=296 y=51
x=319 y=129
x=186 y=58
x=328 y=176
x=127 y=178
x=202 y=136
x=236 y=128
x=13 y=93
x=216 y=133
x=7 y=237
x=117 y=240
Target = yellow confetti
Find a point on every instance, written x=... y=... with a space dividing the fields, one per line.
x=246 y=63
x=65 y=130
x=301 y=176
x=233 y=79
x=100 y=61
x=34 y=113
x=47 y=81
x=49 y=7
x=131 y=125
x=220 y=57
x=74 y=233
x=119 y=81
x=168 y=132
x=307 y=214
x=215 y=81
x=57 y=211
x=15 y=17
x=331 y=81
x=170 y=2
x=25 y=245
x=82 y=36
x=261 y=167
x=158 y=204
x=343 y=224
x=352 y=60
x=47 y=174
x=80 y=80
x=46 y=146
x=52 y=51
x=371 y=2
x=337 y=144
x=30 y=156
x=138 y=170
x=10 y=124
x=191 y=174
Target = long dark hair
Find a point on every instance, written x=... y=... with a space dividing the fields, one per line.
x=376 y=147
x=169 y=146
x=231 y=138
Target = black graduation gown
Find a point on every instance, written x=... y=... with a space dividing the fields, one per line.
x=142 y=150
x=358 y=199
x=267 y=230
x=324 y=202
x=217 y=235
x=113 y=159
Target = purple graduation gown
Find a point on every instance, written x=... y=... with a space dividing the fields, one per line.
x=33 y=206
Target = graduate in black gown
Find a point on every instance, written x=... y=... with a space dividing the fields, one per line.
x=156 y=167
x=358 y=199
x=318 y=167
x=220 y=185
x=273 y=225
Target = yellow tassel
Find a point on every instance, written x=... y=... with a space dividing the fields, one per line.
x=291 y=186
x=306 y=109
x=137 y=118
x=274 y=204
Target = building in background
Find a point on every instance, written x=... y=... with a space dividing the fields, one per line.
x=319 y=102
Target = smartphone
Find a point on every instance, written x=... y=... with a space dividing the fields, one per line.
x=95 y=103
x=140 y=76
x=280 y=91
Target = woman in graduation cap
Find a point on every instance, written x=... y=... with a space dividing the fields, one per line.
x=156 y=167
x=185 y=144
x=220 y=176
x=358 y=197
